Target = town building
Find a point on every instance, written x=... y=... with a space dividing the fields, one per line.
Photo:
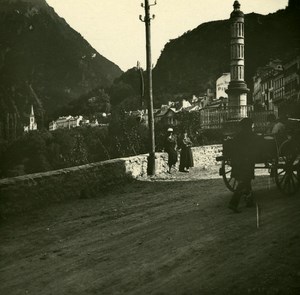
x=278 y=89
x=202 y=101
x=277 y=83
x=267 y=83
x=52 y=126
x=161 y=113
x=291 y=79
x=185 y=104
x=257 y=92
x=167 y=116
x=66 y=122
x=222 y=85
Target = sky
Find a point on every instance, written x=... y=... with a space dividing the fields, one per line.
x=113 y=27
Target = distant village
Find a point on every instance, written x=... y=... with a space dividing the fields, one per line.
x=64 y=122
x=273 y=84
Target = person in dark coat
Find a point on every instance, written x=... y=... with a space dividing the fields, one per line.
x=271 y=121
x=244 y=152
x=186 y=155
x=171 y=149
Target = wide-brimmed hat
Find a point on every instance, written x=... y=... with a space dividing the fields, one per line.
x=170 y=130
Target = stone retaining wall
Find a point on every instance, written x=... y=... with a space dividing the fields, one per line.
x=27 y=192
x=205 y=156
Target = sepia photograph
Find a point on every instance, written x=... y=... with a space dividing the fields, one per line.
x=149 y=147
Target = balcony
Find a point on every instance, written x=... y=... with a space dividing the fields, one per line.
x=217 y=118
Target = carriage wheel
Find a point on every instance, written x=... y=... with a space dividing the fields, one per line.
x=230 y=182
x=287 y=169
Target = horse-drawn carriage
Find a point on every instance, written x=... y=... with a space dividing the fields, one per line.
x=280 y=156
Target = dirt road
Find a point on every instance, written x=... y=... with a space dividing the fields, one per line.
x=168 y=236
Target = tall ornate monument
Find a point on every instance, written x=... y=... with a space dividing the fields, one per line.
x=237 y=88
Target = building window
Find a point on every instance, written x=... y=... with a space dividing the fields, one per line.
x=238 y=50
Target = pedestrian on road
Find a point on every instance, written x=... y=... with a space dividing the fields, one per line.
x=171 y=149
x=276 y=127
x=186 y=155
x=279 y=130
x=243 y=160
x=271 y=121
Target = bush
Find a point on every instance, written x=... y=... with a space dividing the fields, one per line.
x=127 y=135
x=39 y=151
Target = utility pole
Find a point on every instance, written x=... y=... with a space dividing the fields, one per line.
x=147 y=20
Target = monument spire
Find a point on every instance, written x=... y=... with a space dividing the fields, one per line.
x=237 y=88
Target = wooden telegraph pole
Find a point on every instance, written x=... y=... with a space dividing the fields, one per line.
x=147 y=20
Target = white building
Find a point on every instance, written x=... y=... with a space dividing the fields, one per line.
x=32 y=124
x=52 y=126
x=66 y=122
x=222 y=85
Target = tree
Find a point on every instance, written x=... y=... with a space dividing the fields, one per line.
x=127 y=135
x=78 y=154
x=119 y=91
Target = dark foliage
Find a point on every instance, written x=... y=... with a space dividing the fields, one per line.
x=44 y=61
x=39 y=151
x=127 y=135
x=91 y=105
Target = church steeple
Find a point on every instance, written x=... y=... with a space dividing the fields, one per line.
x=32 y=124
x=32 y=118
x=32 y=112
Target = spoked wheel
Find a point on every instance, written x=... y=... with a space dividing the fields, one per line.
x=229 y=181
x=287 y=169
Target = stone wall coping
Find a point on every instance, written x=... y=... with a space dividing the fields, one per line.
x=33 y=176
x=27 y=192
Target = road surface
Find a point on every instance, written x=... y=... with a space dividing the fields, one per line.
x=168 y=235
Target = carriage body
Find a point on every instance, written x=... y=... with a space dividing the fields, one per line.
x=266 y=149
x=281 y=157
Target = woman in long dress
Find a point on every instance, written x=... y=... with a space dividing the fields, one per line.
x=186 y=155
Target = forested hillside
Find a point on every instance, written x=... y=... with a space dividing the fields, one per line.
x=43 y=62
x=191 y=63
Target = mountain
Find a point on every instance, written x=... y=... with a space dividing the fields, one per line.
x=43 y=61
x=192 y=63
